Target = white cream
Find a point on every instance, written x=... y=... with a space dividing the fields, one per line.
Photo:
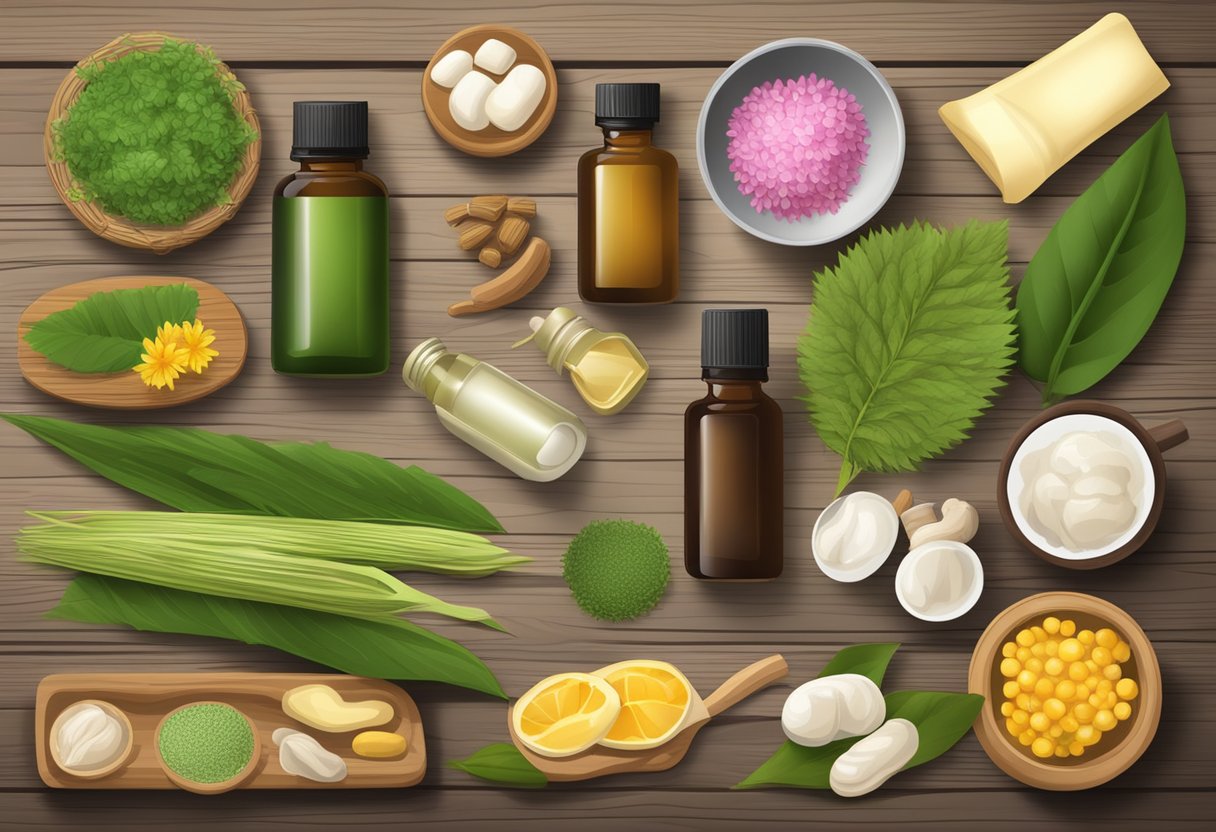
x=467 y=103
x=87 y=738
x=494 y=56
x=939 y=580
x=1081 y=491
x=854 y=536
x=514 y=100
x=453 y=66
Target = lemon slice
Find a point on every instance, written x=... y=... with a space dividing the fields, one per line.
x=565 y=714
x=655 y=700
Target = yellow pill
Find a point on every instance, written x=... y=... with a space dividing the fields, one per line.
x=1051 y=624
x=1010 y=668
x=1038 y=649
x=1121 y=651
x=1042 y=747
x=1044 y=688
x=1071 y=650
x=1111 y=699
x=1104 y=687
x=1101 y=656
x=1013 y=728
x=1069 y=723
x=1020 y=717
x=1067 y=627
x=1097 y=700
x=1061 y=751
x=1055 y=731
x=1039 y=633
x=1112 y=672
x=1054 y=667
x=1104 y=720
x=1054 y=709
x=1086 y=636
x=1052 y=647
x=1084 y=713
x=1066 y=690
x=1011 y=689
x=1026 y=737
x=1036 y=703
x=1023 y=700
x=1077 y=671
x=1122 y=710
x=1022 y=654
x=1076 y=749
x=1039 y=721
x=1027 y=679
x=1024 y=638
x=1008 y=649
x=378 y=744
x=1127 y=689
x=1034 y=664
x=1106 y=637
x=1088 y=735
x=1093 y=667
x=1006 y=709
x=1092 y=682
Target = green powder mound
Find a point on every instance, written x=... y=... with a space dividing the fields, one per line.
x=154 y=136
x=616 y=569
x=206 y=743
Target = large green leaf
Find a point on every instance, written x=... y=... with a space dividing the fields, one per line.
x=196 y=470
x=1093 y=288
x=869 y=660
x=388 y=648
x=104 y=333
x=941 y=720
x=908 y=339
x=502 y=763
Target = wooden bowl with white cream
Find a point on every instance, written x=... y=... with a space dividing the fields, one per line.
x=1082 y=485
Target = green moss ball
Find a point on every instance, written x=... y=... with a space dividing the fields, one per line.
x=617 y=569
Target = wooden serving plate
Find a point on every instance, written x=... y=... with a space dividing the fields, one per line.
x=147 y=697
x=490 y=141
x=599 y=761
x=1118 y=749
x=126 y=390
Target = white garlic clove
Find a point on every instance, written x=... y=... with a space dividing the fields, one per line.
x=89 y=738
x=494 y=56
x=303 y=756
x=453 y=66
x=831 y=708
x=873 y=760
x=467 y=103
x=514 y=100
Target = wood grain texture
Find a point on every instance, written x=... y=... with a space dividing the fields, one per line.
x=932 y=52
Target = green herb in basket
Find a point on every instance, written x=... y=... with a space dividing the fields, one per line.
x=154 y=136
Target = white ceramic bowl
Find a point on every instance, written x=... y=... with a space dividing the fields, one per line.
x=787 y=59
x=965 y=603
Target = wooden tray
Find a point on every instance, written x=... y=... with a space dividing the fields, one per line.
x=126 y=390
x=147 y=697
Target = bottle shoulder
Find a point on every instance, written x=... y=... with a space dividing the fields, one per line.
x=648 y=155
x=331 y=183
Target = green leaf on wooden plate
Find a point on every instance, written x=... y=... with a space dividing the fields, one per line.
x=104 y=333
x=908 y=339
x=1093 y=288
x=941 y=719
x=382 y=648
x=196 y=470
x=502 y=763
x=869 y=660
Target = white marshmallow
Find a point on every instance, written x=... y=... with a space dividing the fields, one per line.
x=453 y=66
x=467 y=103
x=494 y=56
x=511 y=105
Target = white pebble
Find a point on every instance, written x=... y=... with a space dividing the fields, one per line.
x=494 y=56
x=872 y=761
x=453 y=66
x=511 y=105
x=467 y=103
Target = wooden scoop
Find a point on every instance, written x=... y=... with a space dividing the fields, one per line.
x=599 y=761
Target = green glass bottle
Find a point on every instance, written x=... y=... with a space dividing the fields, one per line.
x=330 y=291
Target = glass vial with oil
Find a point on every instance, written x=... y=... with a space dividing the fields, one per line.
x=329 y=264
x=628 y=204
x=606 y=368
x=532 y=436
x=733 y=456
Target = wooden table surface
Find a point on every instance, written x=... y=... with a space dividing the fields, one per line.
x=931 y=52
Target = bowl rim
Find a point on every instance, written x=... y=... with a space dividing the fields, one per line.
x=1087 y=773
x=773 y=46
x=116 y=229
x=239 y=779
x=119 y=762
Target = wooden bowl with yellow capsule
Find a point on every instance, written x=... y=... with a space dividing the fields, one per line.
x=1105 y=700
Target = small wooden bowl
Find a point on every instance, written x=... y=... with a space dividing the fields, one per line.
x=490 y=141
x=160 y=239
x=1155 y=440
x=228 y=785
x=121 y=760
x=1117 y=749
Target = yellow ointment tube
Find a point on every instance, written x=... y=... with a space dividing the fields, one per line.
x=1024 y=128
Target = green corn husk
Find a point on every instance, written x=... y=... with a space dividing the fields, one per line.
x=390 y=547
x=239 y=571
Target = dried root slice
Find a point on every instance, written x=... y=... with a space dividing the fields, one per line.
x=524 y=275
x=522 y=206
x=456 y=214
x=474 y=234
x=490 y=256
x=512 y=233
x=487 y=208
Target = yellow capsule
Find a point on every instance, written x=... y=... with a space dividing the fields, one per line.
x=1088 y=735
x=1051 y=624
x=1054 y=709
x=1034 y=665
x=1006 y=709
x=1082 y=693
x=1013 y=728
x=1044 y=688
x=1093 y=667
x=1092 y=682
x=1106 y=637
x=1097 y=700
x=1022 y=654
x=1042 y=747
x=1071 y=650
x=1036 y=703
x=1104 y=720
x=1039 y=633
x=1077 y=671
x=1067 y=627
x=1038 y=649
x=1127 y=689
x=1084 y=713
x=1076 y=749
x=1026 y=737
x=1121 y=651
x=1122 y=710
x=1069 y=723
x=1020 y=717
x=1052 y=647
x=1023 y=700
x=1112 y=672
x=1039 y=721
x=1008 y=649
x=1011 y=689
x=1061 y=751
x=1055 y=731
x=1053 y=667
x=1104 y=687
x=1024 y=638
x=1101 y=656
x=1010 y=668
x=1111 y=699
x=378 y=744
x=1027 y=679
x=1066 y=689
x=1086 y=636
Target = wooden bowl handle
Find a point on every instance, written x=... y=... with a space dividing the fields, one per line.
x=1169 y=434
x=747 y=681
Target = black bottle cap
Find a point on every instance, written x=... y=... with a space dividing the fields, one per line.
x=626 y=106
x=328 y=130
x=734 y=343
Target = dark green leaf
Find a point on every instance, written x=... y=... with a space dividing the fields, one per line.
x=388 y=648
x=104 y=333
x=502 y=763
x=869 y=660
x=1093 y=288
x=941 y=720
x=196 y=470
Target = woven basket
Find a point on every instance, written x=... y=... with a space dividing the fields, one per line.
x=160 y=239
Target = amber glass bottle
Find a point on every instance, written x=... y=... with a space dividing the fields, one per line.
x=628 y=204
x=733 y=457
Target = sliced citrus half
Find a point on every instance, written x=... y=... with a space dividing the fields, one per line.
x=655 y=699
x=565 y=714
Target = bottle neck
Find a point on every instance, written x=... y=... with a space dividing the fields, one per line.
x=736 y=389
x=325 y=165
x=627 y=139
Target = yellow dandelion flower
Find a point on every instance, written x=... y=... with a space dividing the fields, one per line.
x=196 y=342
x=169 y=333
x=162 y=363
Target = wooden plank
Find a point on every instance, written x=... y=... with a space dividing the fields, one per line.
x=676 y=30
